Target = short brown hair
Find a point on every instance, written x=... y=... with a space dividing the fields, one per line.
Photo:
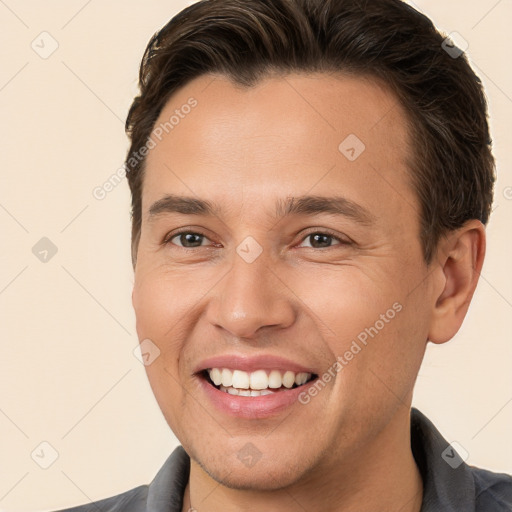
x=452 y=170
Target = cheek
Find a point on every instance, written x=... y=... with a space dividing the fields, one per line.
x=159 y=308
x=382 y=358
x=345 y=301
x=159 y=311
x=371 y=327
x=161 y=300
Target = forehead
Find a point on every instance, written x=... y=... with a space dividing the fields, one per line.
x=285 y=136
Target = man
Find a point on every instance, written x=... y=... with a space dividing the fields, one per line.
x=310 y=184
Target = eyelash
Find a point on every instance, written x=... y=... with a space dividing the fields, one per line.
x=327 y=232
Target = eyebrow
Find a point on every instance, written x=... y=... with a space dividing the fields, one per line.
x=302 y=205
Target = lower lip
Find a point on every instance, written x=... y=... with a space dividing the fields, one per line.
x=252 y=407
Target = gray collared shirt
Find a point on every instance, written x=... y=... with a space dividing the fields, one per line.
x=449 y=485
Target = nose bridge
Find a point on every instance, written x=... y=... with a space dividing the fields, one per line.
x=251 y=296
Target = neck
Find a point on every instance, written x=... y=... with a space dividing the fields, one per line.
x=379 y=477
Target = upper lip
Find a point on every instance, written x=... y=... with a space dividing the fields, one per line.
x=252 y=363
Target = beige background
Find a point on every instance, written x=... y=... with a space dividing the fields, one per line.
x=68 y=373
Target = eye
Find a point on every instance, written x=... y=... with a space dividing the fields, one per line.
x=187 y=239
x=194 y=239
x=319 y=239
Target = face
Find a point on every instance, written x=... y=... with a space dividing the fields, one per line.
x=266 y=291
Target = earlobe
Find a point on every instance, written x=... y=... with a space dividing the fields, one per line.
x=460 y=257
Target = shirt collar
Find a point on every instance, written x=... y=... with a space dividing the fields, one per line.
x=445 y=487
x=165 y=493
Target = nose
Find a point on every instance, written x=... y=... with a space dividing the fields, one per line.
x=251 y=297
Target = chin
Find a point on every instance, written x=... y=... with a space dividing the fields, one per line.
x=264 y=475
x=262 y=479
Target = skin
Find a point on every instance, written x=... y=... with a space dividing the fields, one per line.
x=302 y=299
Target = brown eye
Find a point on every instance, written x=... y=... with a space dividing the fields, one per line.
x=323 y=240
x=187 y=239
x=320 y=239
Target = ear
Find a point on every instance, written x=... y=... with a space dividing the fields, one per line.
x=459 y=259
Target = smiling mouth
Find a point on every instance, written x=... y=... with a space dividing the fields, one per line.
x=257 y=383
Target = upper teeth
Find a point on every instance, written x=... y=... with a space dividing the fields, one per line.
x=258 y=379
